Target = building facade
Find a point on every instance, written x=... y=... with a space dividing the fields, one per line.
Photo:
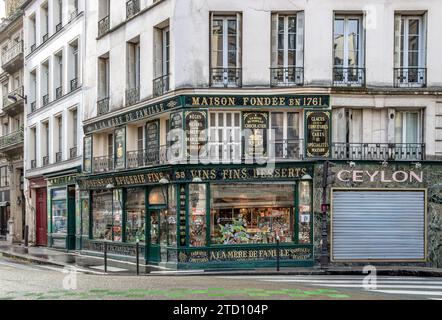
x=54 y=42
x=12 y=211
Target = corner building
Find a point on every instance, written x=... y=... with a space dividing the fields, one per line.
x=208 y=125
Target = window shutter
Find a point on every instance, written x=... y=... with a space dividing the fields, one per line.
x=424 y=41
x=239 y=39
x=397 y=41
x=274 y=40
x=211 y=41
x=300 y=39
x=131 y=62
x=158 y=54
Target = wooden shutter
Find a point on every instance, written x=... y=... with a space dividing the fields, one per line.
x=274 y=40
x=397 y=41
x=300 y=39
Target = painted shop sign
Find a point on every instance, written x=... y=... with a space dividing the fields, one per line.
x=124 y=181
x=153 y=141
x=300 y=101
x=87 y=152
x=182 y=221
x=245 y=255
x=61 y=181
x=175 y=134
x=380 y=176
x=255 y=125
x=318 y=134
x=196 y=125
x=120 y=148
x=135 y=115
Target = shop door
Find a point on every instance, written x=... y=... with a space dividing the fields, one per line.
x=153 y=235
x=4 y=217
x=42 y=218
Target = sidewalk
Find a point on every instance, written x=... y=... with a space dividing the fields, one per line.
x=95 y=265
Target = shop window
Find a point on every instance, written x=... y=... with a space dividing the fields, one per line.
x=197 y=215
x=107 y=215
x=85 y=213
x=135 y=215
x=305 y=212
x=59 y=212
x=252 y=214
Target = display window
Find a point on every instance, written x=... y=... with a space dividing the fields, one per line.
x=135 y=215
x=117 y=215
x=197 y=215
x=107 y=215
x=59 y=212
x=305 y=213
x=84 y=203
x=252 y=213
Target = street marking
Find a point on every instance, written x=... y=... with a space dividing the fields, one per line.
x=111 y=269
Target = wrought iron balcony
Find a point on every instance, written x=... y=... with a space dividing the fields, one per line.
x=103 y=164
x=33 y=47
x=145 y=158
x=225 y=77
x=132 y=96
x=45 y=100
x=348 y=77
x=103 y=106
x=160 y=85
x=12 y=58
x=286 y=77
x=45 y=161
x=45 y=38
x=58 y=27
x=132 y=8
x=378 y=151
x=74 y=84
x=59 y=157
x=410 y=77
x=33 y=164
x=73 y=14
x=12 y=140
x=58 y=93
x=33 y=106
x=73 y=153
x=103 y=26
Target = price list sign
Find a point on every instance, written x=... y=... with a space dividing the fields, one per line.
x=182 y=228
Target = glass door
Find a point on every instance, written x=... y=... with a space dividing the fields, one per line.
x=153 y=235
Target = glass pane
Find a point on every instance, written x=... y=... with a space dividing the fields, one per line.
x=280 y=58
x=59 y=211
x=232 y=27
x=339 y=58
x=293 y=125
x=217 y=27
x=197 y=215
x=413 y=43
x=291 y=58
x=102 y=215
x=85 y=213
x=117 y=215
x=135 y=215
x=413 y=60
x=353 y=59
x=228 y=119
x=398 y=127
x=292 y=41
x=281 y=41
x=232 y=43
x=292 y=24
x=412 y=124
x=339 y=28
x=154 y=227
x=413 y=27
x=237 y=124
x=305 y=212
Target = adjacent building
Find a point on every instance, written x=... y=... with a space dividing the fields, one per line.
x=209 y=127
x=12 y=101
x=53 y=49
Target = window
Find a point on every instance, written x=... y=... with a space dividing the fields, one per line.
x=135 y=215
x=59 y=211
x=225 y=51
x=287 y=48
x=197 y=215
x=348 y=51
x=44 y=22
x=45 y=86
x=58 y=15
x=285 y=133
x=107 y=215
x=305 y=213
x=110 y=145
x=84 y=198
x=408 y=127
x=59 y=122
x=162 y=60
x=103 y=77
x=32 y=32
x=74 y=114
x=140 y=138
x=58 y=75
x=225 y=136
x=252 y=214
x=4 y=177
x=410 y=57
x=74 y=65
x=133 y=73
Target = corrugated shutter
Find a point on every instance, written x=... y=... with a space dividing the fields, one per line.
x=378 y=225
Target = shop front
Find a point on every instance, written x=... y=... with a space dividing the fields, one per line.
x=188 y=218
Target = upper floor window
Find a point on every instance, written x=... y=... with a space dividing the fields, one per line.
x=133 y=72
x=74 y=65
x=410 y=56
x=103 y=17
x=162 y=61
x=44 y=22
x=348 y=51
x=287 y=49
x=58 y=15
x=103 y=84
x=408 y=127
x=225 y=51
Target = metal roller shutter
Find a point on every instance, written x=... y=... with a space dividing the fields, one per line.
x=378 y=225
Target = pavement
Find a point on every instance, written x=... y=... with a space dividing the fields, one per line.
x=95 y=265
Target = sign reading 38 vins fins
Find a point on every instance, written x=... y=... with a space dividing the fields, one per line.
x=318 y=134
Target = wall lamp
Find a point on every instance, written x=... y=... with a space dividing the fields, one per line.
x=13 y=98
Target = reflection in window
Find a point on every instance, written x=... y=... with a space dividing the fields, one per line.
x=107 y=214
x=85 y=213
x=304 y=212
x=248 y=214
x=135 y=215
x=197 y=215
x=59 y=211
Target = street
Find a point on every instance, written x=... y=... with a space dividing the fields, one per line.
x=24 y=281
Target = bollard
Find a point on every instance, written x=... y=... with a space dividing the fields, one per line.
x=277 y=254
x=138 y=257
x=105 y=257
x=26 y=236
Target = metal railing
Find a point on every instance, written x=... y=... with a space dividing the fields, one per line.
x=12 y=53
x=33 y=106
x=160 y=85
x=290 y=76
x=45 y=100
x=33 y=164
x=132 y=96
x=18 y=93
x=58 y=93
x=12 y=139
x=59 y=157
x=33 y=47
x=45 y=38
x=45 y=161
x=73 y=153
x=378 y=151
x=225 y=77
x=103 y=164
x=103 y=106
x=410 y=77
x=147 y=157
x=103 y=26
x=132 y=8
x=73 y=14
x=74 y=84
x=58 y=27
x=351 y=77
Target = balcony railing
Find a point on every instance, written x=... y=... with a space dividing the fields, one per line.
x=45 y=100
x=12 y=139
x=103 y=164
x=410 y=77
x=73 y=14
x=103 y=106
x=45 y=161
x=73 y=153
x=45 y=38
x=160 y=85
x=132 y=8
x=59 y=157
x=286 y=77
x=33 y=164
x=58 y=93
x=33 y=47
x=58 y=27
x=74 y=84
x=33 y=106
x=18 y=93
x=12 y=53
x=132 y=96
x=103 y=26
x=225 y=77
x=144 y=158
x=378 y=151
x=348 y=77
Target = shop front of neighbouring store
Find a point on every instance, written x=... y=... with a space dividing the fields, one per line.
x=216 y=217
